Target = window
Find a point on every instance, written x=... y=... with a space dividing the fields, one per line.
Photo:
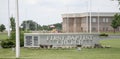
x=106 y=19
x=94 y=20
x=29 y=40
x=103 y=19
x=36 y=41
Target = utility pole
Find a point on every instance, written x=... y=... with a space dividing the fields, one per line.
x=17 y=30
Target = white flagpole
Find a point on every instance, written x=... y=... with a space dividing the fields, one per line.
x=17 y=31
x=90 y=18
x=87 y=17
x=98 y=22
x=8 y=19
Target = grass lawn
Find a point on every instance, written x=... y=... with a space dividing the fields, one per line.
x=97 y=53
x=3 y=36
x=112 y=33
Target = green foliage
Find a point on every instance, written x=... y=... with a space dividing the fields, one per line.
x=45 y=27
x=2 y=28
x=58 y=26
x=7 y=43
x=13 y=34
x=103 y=34
x=13 y=37
x=30 y=25
x=21 y=38
x=39 y=27
x=97 y=53
x=12 y=23
x=116 y=22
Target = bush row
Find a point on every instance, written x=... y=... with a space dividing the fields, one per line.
x=9 y=43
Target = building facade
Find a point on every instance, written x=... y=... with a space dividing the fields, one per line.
x=80 y=22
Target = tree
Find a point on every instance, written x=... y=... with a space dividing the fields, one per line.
x=30 y=25
x=13 y=37
x=45 y=27
x=58 y=26
x=12 y=23
x=118 y=20
x=115 y=22
x=114 y=25
x=2 y=28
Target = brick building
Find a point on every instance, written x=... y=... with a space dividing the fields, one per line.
x=80 y=22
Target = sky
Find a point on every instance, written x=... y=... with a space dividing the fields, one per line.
x=46 y=12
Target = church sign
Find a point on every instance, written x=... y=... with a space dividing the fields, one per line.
x=60 y=39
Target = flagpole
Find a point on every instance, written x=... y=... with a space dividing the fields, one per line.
x=17 y=30
x=90 y=17
x=8 y=20
x=98 y=22
x=87 y=29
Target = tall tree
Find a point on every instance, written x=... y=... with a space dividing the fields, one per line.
x=118 y=20
x=30 y=25
x=2 y=28
x=12 y=23
x=115 y=22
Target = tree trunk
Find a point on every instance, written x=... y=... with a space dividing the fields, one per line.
x=114 y=31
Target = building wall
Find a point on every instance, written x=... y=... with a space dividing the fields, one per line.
x=104 y=24
x=79 y=24
x=71 y=24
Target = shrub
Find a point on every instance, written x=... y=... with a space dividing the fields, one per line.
x=21 y=38
x=12 y=37
x=7 y=43
x=103 y=34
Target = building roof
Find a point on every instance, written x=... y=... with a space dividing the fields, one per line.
x=109 y=14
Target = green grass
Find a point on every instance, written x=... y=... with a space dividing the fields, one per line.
x=97 y=53
x=3 y=36
x=112 y=33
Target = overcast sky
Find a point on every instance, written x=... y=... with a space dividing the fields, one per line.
x=49 y=11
